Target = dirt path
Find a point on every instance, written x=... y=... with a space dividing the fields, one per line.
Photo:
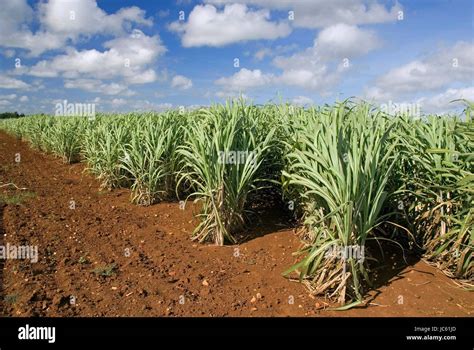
x=146 y=265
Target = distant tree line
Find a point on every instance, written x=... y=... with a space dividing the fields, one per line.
x=7 y=115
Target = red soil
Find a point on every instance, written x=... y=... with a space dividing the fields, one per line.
x=158 y=270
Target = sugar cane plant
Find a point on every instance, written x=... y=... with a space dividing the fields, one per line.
x=347 y=169
x=103 y=149
x=58 y=135
x=65 y=137
x=436 y=171
x=221 y=158
x=339 y=165
x=149 y=158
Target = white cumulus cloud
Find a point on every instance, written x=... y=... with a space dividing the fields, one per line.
x=244 y=79
x=84 y=17
x=319 y=67
x=433 y=72
x=207 y=26
x=128 y=58
x=8 y=97
x=441 y=102
x=345 y=41
x=181 y=82
x=324 y=13
x=302 y=101
x=7 y=82
x=61 y=21
x=93 y=85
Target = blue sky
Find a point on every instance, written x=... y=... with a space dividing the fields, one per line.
x=139 y=55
